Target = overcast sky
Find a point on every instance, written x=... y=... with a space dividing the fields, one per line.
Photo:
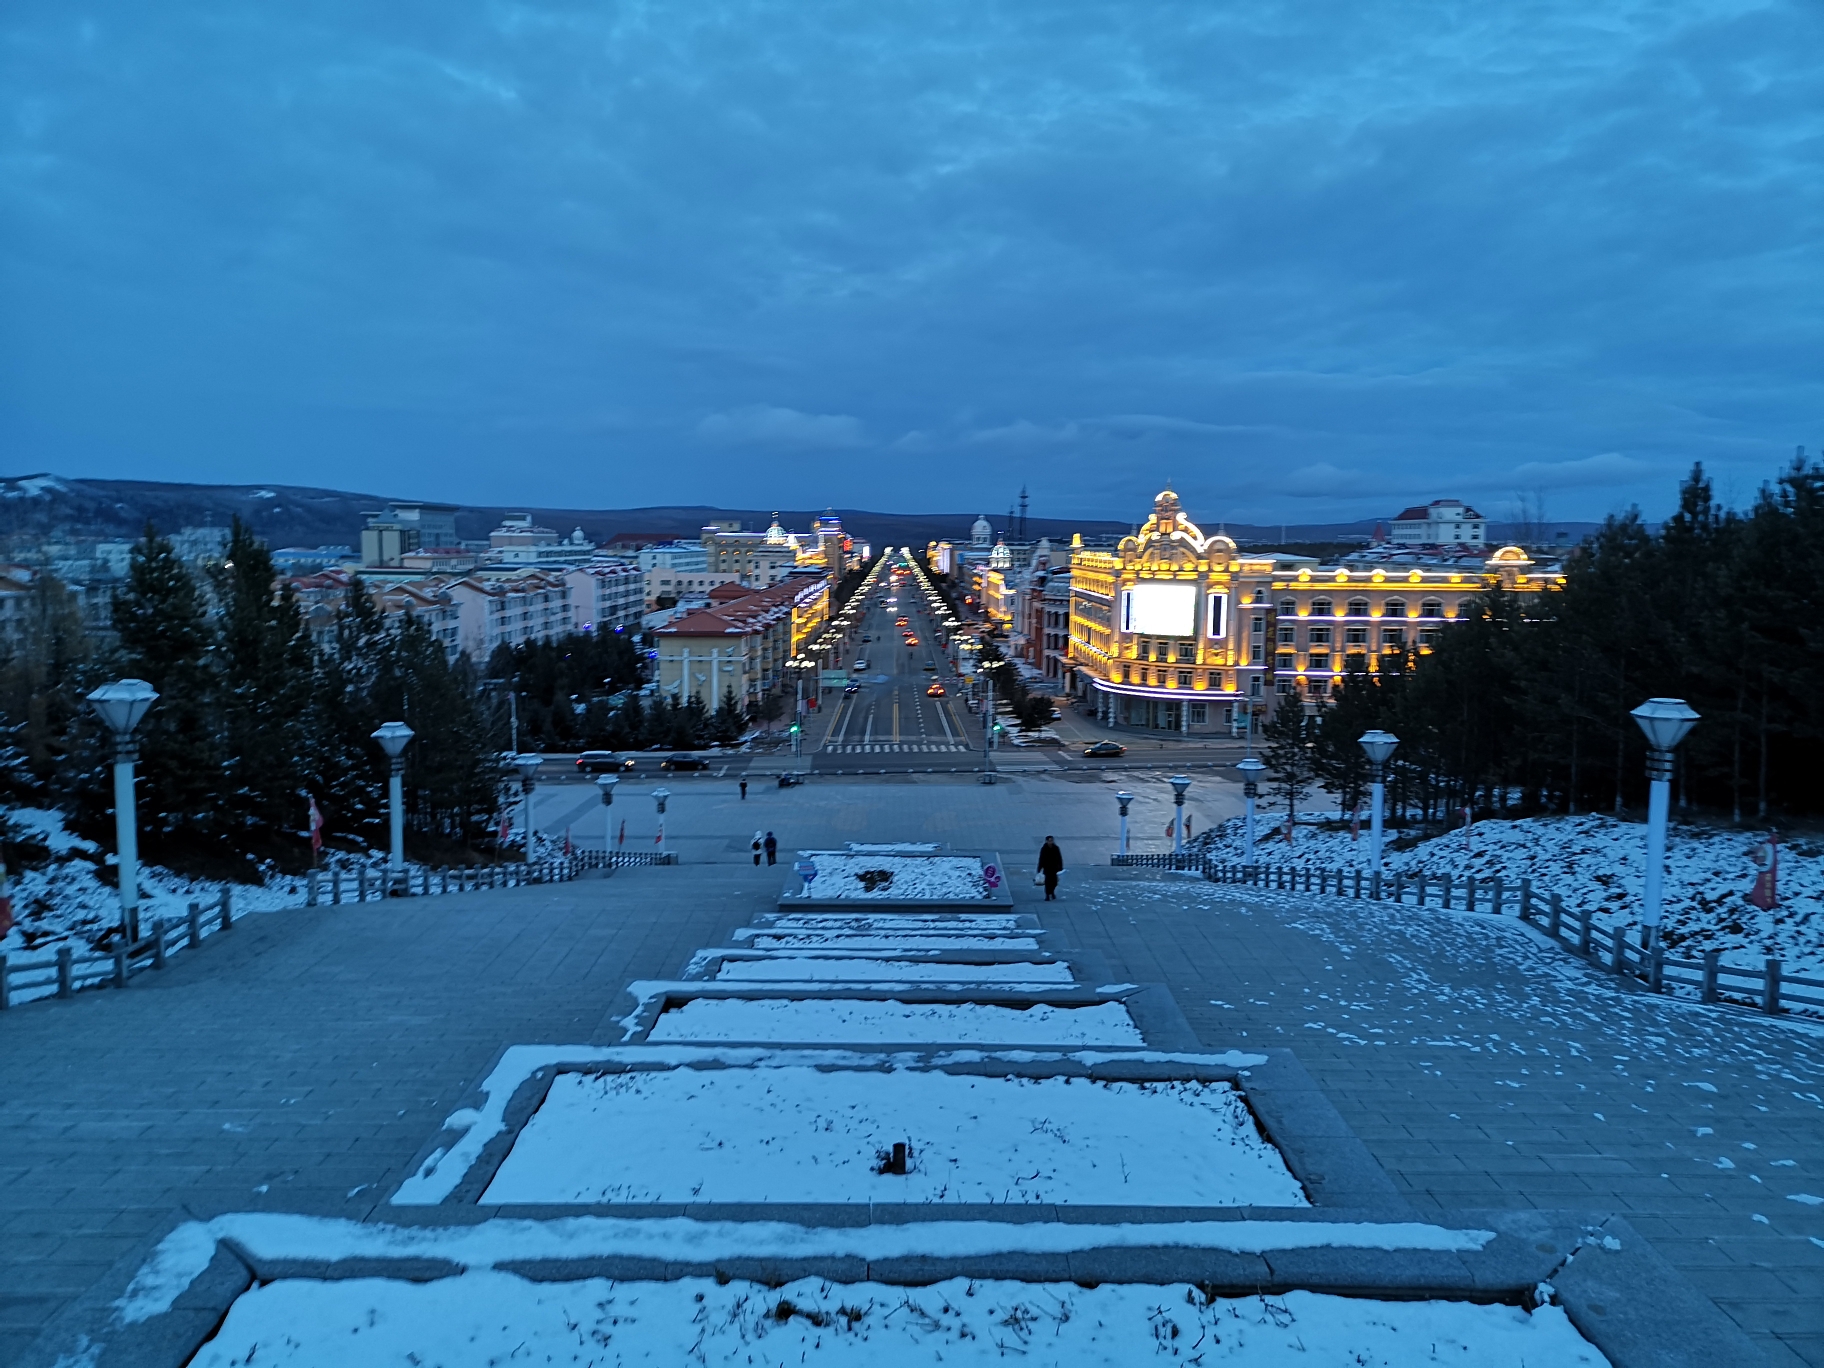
x=1307 y=260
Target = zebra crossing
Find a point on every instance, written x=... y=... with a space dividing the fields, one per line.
x=892 y=747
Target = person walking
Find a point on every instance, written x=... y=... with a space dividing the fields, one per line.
x=772 y=849
x=758 y=844
x=1051 y=864
x=744 y=790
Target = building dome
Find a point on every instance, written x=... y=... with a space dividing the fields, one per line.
x=1000 y=558
x=981 y=532
x=775 y=535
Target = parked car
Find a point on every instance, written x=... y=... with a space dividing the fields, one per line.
x=790 y=780
x=935 y=691
x=1099 y=749
x=602 y=762
x=683 y=760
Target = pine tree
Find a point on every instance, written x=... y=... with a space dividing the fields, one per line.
x=1290 y=736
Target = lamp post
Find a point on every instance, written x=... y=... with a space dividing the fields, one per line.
x=392 y=737
x=605 y=783
x=1378 y=747
x=1179 y=783
x=1250 y=768
x=527 y=765
x=1124 y=799
x=659 y=796
x=121 y=705
x=1665 y=722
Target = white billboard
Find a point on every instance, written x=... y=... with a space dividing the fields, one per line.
x=1218 y=621
x=1160 y=609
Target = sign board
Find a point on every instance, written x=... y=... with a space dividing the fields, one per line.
x=835 y=679
x=806 y=870
x=991 y=875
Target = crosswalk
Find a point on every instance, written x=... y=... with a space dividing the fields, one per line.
x=892 y=747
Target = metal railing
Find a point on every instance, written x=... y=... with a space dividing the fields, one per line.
x=1769 y=987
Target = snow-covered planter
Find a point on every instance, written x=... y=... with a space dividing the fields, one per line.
x=845 y=878
x=860 y=1021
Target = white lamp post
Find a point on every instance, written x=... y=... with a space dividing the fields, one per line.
x=1665 y=722
x=1378 y=746
x=1124 y=799
x=392 y=737
x=527 y=765
x=659 y=796
x=121 y=705
x=1179 y=783
x=1250 y=768
x=605 y=783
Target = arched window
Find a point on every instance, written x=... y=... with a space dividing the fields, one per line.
x=1394 y=608
x=1462 y=608
x=1432 y=608
x=1288 y=607
x=1320 y=607
x=1358 y=607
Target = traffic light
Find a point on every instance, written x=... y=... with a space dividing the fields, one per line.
x=794 y=729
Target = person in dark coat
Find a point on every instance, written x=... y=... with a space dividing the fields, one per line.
x=772 y=849
x=1051 y=864
x=758 y=845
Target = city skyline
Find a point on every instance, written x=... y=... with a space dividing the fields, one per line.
x=1306 y=267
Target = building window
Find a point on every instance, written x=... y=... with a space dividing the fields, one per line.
x=1200 y=714
x=1319 y=688
x=1257 y=654
x=1288 y=635
x=1146 y=650
x=1320 y=636
x=1358 y=607
x=1215 y=679
x=1124 y=674
x=1187 y=652
x=1356 y=636
x=1393 y=638
x=1429 y=637
x=1320 y=660
x=1288 y=607
x=1285 y=661
x=1254 y=686
x=1394 y=608
x=1260 y=625
x=1432 y=608
x=1320 y=607
x=1184 y=679
x=1284 y=687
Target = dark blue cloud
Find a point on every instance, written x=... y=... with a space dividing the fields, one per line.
x=1309 y=261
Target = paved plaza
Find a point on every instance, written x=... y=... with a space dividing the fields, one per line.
x=302 y=1061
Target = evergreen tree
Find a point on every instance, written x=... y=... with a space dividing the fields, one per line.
x=1291 y=736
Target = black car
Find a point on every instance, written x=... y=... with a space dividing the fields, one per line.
x=1104 y=748
x=790 y=780
x=683 y=761
x=602 y=762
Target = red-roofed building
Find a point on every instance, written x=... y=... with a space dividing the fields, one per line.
x=742 y=641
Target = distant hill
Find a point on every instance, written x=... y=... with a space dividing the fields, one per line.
x=37 y=507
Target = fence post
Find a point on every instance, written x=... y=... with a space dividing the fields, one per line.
x=5 y=993
x=158 y=944
x=310 y=890
x=1583 y=933
x=66 y=981
x=196 y=925
x=227 y=908
x=1444 y=887
x=361 y=884
x=1770 y=990
x=1708 y=992
x=1656 y=967
x=1358 y=885
x=1526 y=902
x=120 y=968
x=1618 y=952
x=1554 y=915
x=335 y=887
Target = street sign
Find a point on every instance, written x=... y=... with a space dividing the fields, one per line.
x=835 y=679
x=806 y=870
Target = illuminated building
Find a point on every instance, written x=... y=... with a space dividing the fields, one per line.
x=1171 y=629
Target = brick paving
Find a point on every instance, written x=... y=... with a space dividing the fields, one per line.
x=300 y=1063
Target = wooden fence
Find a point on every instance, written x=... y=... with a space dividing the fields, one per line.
x=70 y=970
x=1768 y=987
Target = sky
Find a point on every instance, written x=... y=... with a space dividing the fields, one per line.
x=1306 y=261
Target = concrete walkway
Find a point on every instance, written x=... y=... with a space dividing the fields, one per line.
x=301 y=1062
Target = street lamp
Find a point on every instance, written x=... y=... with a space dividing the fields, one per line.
x=605 y=783
x=1179 y=783
x=527 y=764
x=659 y=796
x=1665 y=722
x=121 y=705
x=392 y=737
x=1124 y=799
x=1378 y=746
x=1250 y=768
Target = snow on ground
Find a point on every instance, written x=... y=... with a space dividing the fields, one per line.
x=839 y=1021
x=852 y=923
x=66 y=902
x=941 y=878
x=1598 y=864
x=763 y=939
x=803 y=969
x=496 y=1317
x=809 y=1135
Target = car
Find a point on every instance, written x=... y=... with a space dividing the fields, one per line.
x=683 y=760
x=790 y=780
x=1098 y=749
x=911 y=641
x=861 y=665
x=1036 y=738
x=930 y=667
x=935 y=691
x=866 y=637
x=602 y=762
x=852 y=689
x=902 y=622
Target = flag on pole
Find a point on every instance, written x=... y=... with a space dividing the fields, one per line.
x=506 y=826
x=1170 y=827
x=1766 y=892
x=1355 y=822
x=316 y=830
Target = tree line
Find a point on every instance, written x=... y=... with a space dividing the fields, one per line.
x=1525 y=706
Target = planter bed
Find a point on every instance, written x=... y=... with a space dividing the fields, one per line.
x=805 y=1134
x=856 y=881
x=865 y=1021
x=820 y=969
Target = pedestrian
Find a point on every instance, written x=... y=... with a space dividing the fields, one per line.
x=1051 y=864
x=757 y=845
x=744 y=790
x=772 y=849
